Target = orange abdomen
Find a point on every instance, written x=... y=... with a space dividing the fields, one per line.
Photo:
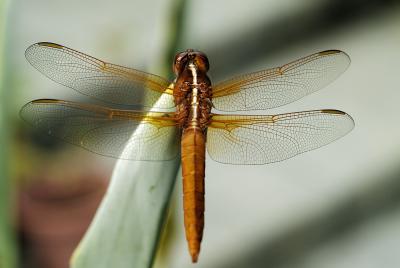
x=193 y=164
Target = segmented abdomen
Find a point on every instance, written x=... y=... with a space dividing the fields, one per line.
x=193 y=165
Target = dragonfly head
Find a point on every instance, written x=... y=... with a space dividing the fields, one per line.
x=182 y=60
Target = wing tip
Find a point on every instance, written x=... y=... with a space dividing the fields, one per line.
x=41 y=44
x=338 y=112
x=330 y=51
x=333 y=52
x=38 y=101
x=49 y=44
x=23 y=111
x=332 y=111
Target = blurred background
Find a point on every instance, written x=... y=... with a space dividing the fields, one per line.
x=338 y=206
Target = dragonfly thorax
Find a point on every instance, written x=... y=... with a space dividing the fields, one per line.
x=192 y=90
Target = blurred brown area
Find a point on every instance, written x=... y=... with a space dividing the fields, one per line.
x=54 y=215
x=60 y=190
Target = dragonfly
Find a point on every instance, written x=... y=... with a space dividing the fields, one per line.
x=184 y=122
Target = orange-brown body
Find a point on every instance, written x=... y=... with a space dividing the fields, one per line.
x=192 y=94
x=193 y=164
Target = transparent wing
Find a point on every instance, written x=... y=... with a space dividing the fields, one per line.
x=242 y=139
x=98 y=79
x=282 y=85
x=106 y=131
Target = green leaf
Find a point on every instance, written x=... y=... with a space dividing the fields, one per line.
x=127 y=227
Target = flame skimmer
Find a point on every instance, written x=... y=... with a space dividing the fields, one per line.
x=229 y=138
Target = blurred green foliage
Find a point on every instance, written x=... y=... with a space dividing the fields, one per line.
x=7 y=243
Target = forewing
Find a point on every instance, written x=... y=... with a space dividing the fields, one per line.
x=242 y=139
x=104 y=131
x=107 y=82
x=282 y=85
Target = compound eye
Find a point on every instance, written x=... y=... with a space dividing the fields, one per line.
x=202 y=62
x=180 y=62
